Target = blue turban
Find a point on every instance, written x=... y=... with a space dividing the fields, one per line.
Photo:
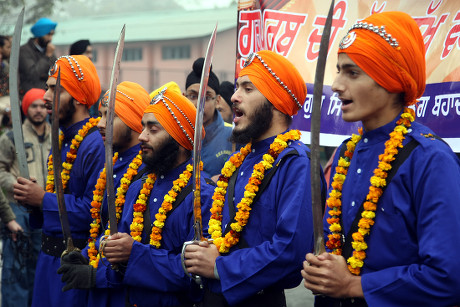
x=43 y=27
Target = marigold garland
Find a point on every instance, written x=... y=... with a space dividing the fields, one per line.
x=70 y=157
x=98 y=196
x=244 y=206
x=378 y=181
x=140 y=206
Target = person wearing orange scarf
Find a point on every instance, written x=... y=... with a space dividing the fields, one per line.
x=82 y=154
x=261 y=222
x=392 y=210
x=158 y=211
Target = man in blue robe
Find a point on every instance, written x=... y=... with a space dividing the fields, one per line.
x=149 y=270
x=277 y=228
x=80 y=89
x=400 y=250
x=130 y=102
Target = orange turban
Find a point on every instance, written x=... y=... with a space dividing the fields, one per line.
x=393 y=55
x=31 y=95
x=176 y=114
x=78 y=77
x=131 y=100
x=277 y=79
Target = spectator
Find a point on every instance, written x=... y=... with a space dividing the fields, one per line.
x=37 y=56
x=5 y=50
x=19 y=259
x=82 y=47
x=216 y=147
x=224 y=104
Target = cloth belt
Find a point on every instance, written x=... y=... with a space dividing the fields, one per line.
x=264 y=298
x=54 y=246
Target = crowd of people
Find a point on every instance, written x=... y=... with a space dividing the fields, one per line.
x=391 y=220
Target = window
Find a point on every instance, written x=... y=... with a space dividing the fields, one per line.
x=132 y=54
x=175 y=52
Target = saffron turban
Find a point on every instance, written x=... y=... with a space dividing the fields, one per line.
x=131 y=100
x=31 y=95
x=78 y=77
x=282 y=85
x=176 y=114
x=172 y=86
x=392 y=53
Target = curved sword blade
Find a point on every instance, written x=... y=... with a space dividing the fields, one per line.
x=109 y=133
x=57 y=166
x=315 y=171
x=198 y=138
x=14 y=98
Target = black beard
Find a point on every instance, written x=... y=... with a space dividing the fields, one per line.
x=36 y=123
x=42 y=42
x=260 y=121
x=163 y=159
x=126 y=136
x=69 y=113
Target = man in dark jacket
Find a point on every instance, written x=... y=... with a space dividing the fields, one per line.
x=36 y=56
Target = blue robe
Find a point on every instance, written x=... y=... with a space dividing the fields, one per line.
x=413 y=245
x=101 y=295
x=279 y=231
x=85 y=171
x=154 y=277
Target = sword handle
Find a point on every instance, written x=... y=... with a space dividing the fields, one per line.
x=196 y=278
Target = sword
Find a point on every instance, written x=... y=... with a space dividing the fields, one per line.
x=109 y=134
x=315 y=172
x=57 y=167
x=197 y=224
x=14 y=97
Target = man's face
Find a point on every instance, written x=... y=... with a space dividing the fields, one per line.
x=66 y=103
x=210 y=104
x=121 y=132
x=89 y=52
x=159 y=150
x=6 y=49
x=37 y=112
x=225 y=110
x=46 y=39
x=253 y=112
x=362 y=98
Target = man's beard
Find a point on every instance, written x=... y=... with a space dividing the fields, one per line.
x=42 y=42
x=68 y=115
x=126 y=137
x=37 y=123
x=164 y=157
x=259 y=122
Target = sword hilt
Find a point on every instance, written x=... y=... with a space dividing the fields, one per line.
x=196 y=278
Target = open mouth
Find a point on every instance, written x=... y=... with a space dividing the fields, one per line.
x=346 y=101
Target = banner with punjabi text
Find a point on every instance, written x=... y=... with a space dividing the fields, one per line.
x=293 y=29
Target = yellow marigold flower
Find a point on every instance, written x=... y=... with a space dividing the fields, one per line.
x=355 y=263
x=343 y=162
x=269 y=159
x=368 y=214
x=335 y=227
x=359 y=246
x=335 y=194
x=355 y=138
x=158 y=224
x=378 y=182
